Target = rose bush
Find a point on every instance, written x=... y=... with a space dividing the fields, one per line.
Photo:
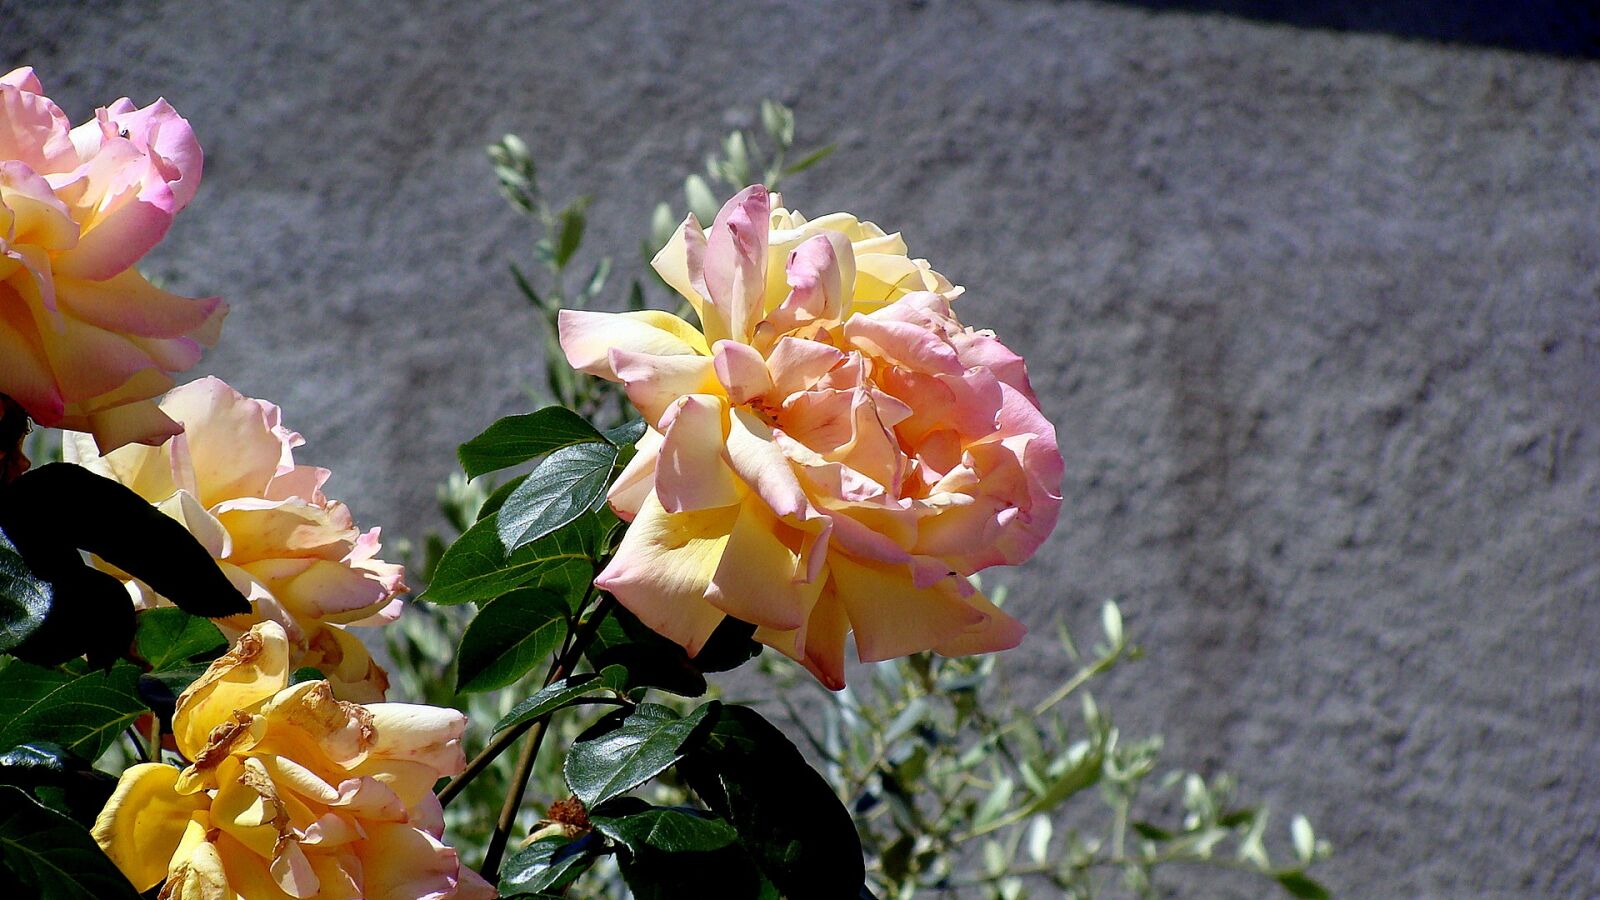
x=298 y=557
x=85 y=341
x=832 y=452
x=290 y=793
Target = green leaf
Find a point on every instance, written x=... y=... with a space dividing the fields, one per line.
x=61 y=505
x=58 y=778
x=627 y=434
x=83 y=713
x=617 y=762
x=497 y=498
x=650 y=659
x=667 y=830
x=1079 y=774
x=169 y=638
x=562 y=693
x=811 y=159
x=1299 y=884
x=548 y=864
x=570 y=482
x=53 y=855
x=509 y=636
x=1151 y=832
x=477 y=567
x=786 y=814
x=24 y=597
x=517 y=439
x=569 y=232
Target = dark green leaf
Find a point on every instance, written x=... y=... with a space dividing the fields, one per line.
x=517 y=439
x=667 y=830
x=58 y=778
x=650 y=659
x=81 y=595
x=810 y=159
x=786 y=814
x=1151 y=832
x=569 y=232
x=627 y=434
x=24 y=597
x=617 y=762
x=83 y=713
x=305 y=674
x=509 y=636
x=169 y=637
x=729 y=647
x=548 y=864
x=568 y=483
x=497 y=497
x=562 y=693
x=1299 y=884
x=51 y=856
x=61 y=505
x=477 y=566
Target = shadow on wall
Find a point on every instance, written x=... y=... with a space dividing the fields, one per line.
x=1555 y=27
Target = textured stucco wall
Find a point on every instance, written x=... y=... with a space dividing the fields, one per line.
x=1318 y=315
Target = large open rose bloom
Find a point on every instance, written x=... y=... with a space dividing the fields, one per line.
x=834 y=453
x=231 y=479
x=290 y=793
x=85 y=341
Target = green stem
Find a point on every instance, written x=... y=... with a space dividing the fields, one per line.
x=530 y=752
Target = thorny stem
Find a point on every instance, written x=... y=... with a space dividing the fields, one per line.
x=530 y=752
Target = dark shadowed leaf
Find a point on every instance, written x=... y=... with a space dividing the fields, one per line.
x=787 y=816
x=168 y=638
x=620 y=760
x=509 y=636
x=568 y=483
x=58 y=778
x=650 y=659
x=562 y=693
x=60 y=506
x=1299 y=884
x=82 y=713
x=516 y=439
x=24 y=597
x=51 y=856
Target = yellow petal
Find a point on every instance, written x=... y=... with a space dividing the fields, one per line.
x=663 y=567
x=760 y=578
x=144 y=821
x=891 y=616
x=255 y=669
x=588 y=337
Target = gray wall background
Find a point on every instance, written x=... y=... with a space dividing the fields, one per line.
x=1317 y=313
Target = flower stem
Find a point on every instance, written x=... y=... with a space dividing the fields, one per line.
x=530 y=751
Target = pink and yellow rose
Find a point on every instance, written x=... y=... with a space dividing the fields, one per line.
x=832 y=452
x=290 y=793
x=85 y=341
x=231 y=479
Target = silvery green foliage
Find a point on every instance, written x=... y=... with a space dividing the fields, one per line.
x=957 y=788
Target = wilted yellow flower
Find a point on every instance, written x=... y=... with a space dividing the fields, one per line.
x=290 y=793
